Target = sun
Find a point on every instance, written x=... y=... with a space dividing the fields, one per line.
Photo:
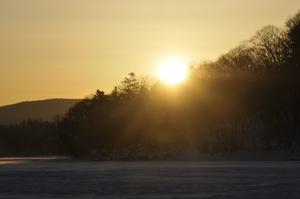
x=172 y=70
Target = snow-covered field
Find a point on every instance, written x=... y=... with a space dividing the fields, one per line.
x=65 y=178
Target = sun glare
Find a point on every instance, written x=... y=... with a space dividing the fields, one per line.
x=172 y=71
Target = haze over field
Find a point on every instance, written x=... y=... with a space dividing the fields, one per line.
x=70 y=48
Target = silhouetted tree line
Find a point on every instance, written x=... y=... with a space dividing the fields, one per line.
x=253 y=87
x=27 y=138
x=247 y=99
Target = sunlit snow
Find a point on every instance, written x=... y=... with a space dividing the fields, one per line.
x=66 y=178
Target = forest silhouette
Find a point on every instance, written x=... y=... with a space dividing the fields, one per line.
x=247 y=99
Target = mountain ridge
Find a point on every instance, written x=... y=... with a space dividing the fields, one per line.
x=38 y=109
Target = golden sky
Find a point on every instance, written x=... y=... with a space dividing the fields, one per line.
x=70 y=48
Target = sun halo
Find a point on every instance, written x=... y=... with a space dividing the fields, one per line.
x=172 y=71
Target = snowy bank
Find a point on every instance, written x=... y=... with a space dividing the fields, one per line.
x=190 y=154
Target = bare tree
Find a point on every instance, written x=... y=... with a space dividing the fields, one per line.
x=237 y=61
x=268 y=48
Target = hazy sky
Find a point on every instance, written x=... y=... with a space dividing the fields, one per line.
x=70 y=48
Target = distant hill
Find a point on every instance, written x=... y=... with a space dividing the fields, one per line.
x=43 y=109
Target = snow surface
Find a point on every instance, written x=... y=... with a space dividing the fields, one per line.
x=80 y=179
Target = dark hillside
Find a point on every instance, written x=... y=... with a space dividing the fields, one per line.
x=42 y=109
